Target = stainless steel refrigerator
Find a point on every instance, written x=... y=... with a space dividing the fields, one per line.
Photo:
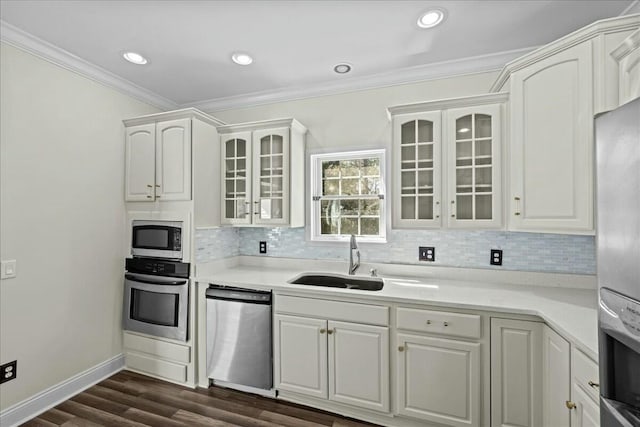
x=618 y=243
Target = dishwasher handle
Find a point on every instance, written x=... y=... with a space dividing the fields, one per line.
x=249 y=296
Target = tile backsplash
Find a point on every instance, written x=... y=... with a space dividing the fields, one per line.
x=552 y=253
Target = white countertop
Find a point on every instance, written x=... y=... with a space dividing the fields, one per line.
x=570 y=309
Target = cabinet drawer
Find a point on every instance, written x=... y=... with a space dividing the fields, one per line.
x=439 y=322
x=336 y=310
x=161 y=368
x=164 y=349
x=583 y=371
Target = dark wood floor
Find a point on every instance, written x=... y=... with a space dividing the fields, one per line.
x=130 y=399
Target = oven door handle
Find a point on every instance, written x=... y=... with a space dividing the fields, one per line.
x=154 y=282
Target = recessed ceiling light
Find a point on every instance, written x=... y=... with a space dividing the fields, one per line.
x=135 y=58
x=431 y=18
x=342 y=68
x=241 y=58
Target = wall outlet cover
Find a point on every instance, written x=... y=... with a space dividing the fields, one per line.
x=263 y=247
x=8 y=269
x=8 y=371
x=427 y=253
x=496 y=257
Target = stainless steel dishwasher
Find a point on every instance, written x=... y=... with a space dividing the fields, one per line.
x=239 y=343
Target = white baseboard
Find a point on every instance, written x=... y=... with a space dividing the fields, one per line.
x=47 y=399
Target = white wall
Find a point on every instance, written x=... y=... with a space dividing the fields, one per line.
x=358 y=119
x=62 y=219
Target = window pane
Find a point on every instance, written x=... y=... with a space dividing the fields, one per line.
x=370 y=226
x=483 y=126
x=349 y=226
x=425 y=152
x=483 y=207
x=330 y=187
x=242 y=147
x=463 y=208
x=371 y=167
x=349 y=207
x=329 y=216
x=370 y=207
x=349 y=187
x=350 y=168
x=370 y=186
x=330 y=169
x=408 y=208
x=276 y=147
x=265 y=145
x=230 y=150
x=425 y=207
x=276 y=208
x=408 y=152
x=463 y=127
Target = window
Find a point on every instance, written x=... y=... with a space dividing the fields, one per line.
x=348 y=196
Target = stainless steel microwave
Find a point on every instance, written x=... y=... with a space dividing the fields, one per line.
x=157 y=239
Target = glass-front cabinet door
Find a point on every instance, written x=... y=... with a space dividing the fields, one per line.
x=271 y=176
x=473 y=146
x=236 y=178
x=416 y=170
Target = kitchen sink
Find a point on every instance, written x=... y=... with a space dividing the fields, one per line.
x=338 y=281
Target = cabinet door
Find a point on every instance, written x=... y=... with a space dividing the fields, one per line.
x=556 y=378
x=552 y=179
x=173 y=160
x=271 y=177
x=140 y=163
x=236 y=178
x=301 y=355
x=586 y=412
x=473 y=147
x=359 y=365
x=416 y=170
x=439 y=380
x=516 y=368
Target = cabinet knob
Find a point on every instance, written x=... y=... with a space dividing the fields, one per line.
x=570 y=404
x=428 y=322
x=593 y=384
x=330 y=331
x=322 y=331
x=446 y=323
x=400 y=348
x=453 y=215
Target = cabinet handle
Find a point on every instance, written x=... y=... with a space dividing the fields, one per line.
x=322 y=331
x=517 y=200
x=400 y=348
x=330 y=331
x=593 y=385
x=428 y=322
x=157 y=186
x=570 y=404
x=149 y=197
x=149 y=186
x=446 y=323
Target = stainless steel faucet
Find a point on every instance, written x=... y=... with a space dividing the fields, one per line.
x=353 y=247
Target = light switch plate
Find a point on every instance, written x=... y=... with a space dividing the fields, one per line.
x=8 y=270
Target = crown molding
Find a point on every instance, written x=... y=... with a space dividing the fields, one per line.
x=185 y=113
x=627 y=46
x=22 y=40
x=471 y=65
x=442 y=104
x=263 y=124
x=622 y=23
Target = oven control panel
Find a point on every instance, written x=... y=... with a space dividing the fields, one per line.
x=157 y=267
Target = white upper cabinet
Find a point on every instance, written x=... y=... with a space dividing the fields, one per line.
x=554 y=93
x=173 y=160
x=140 y=168
x=448 y=152
x=552 y=182
x=166 y=153
x=474 y=167
x=158 y=161
x=263 y=173
x=417 y=170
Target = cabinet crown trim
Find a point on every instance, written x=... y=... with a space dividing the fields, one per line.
x=627 y=46
x=443 y=104
x=190 y=113
x=616 y=24
x=263 y=124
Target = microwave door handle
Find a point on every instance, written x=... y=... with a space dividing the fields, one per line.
x=154 y=282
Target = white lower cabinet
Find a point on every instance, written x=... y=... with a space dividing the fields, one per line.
x=340 y=361
x=556 y=360
x=439 y=380
x=586 y=412
x=516 y=367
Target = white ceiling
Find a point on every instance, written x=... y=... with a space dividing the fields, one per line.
x=295 y=44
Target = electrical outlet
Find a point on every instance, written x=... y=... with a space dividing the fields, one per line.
x=496 y=257
x=263 y=247
x=8 y=371
x=427 y=253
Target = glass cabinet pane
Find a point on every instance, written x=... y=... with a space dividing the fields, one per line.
x=235 y=178
x=271 y=158
x=416 y=164
x=473 y=167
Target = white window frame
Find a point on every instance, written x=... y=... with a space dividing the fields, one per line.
x=316 y=192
